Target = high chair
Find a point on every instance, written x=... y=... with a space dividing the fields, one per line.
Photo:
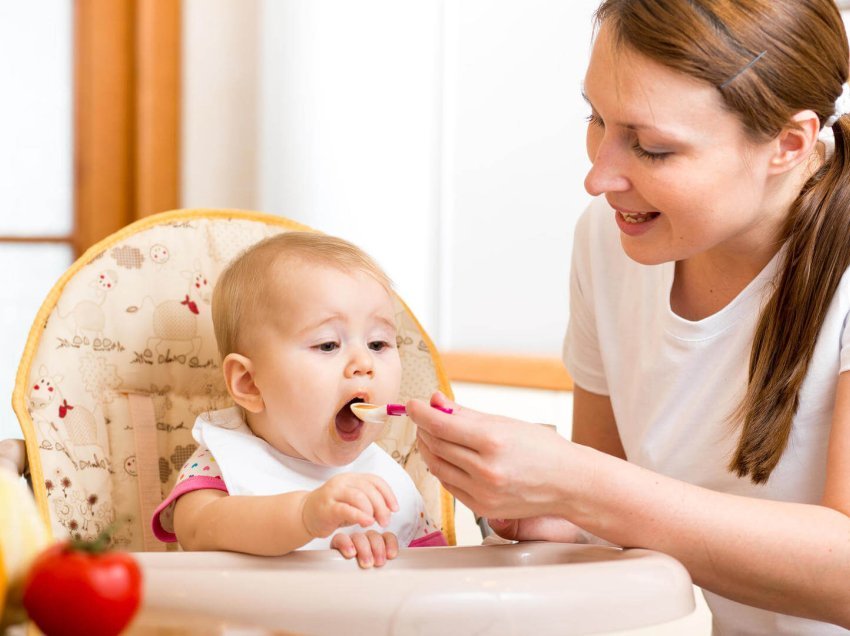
x=119 y=362
x=122 y=357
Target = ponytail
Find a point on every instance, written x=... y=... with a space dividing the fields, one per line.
x=817 y=253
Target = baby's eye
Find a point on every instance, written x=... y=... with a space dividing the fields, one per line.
x=327 y=347
x=378 y=345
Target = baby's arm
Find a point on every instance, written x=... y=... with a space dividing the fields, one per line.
x=265 y=525
x=277 y=524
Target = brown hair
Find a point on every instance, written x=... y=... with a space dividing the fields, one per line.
x=769 y=59
x=242 y=288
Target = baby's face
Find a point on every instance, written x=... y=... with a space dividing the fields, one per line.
x=330 y=339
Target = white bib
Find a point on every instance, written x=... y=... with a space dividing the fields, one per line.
x=250 y=466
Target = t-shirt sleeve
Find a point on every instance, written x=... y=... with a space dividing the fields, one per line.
x=845 y=346
x=582 y=355
x=200 y=472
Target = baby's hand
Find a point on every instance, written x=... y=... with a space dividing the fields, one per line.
x=370 y=548
x=346 y=500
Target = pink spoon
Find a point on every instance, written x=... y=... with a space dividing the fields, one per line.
x=378 y=413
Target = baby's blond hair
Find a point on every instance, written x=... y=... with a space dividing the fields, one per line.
x=241 y=289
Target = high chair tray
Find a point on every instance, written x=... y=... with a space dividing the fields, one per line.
x=523 y=588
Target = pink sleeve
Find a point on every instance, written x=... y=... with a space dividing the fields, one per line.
x=432 y=540
x=163 y=516
x=200 y=472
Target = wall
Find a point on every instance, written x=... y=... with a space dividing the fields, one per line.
x=446 y=138
x=35 y=171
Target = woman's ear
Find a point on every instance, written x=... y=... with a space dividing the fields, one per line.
x=796 y=142
x=239 y=378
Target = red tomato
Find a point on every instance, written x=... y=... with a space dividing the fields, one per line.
x=70 y=591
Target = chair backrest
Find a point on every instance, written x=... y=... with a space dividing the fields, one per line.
x=121 y=359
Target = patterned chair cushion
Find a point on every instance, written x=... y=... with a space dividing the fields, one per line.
x=131 y=320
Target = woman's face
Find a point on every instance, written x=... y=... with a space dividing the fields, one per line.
x=677 y=167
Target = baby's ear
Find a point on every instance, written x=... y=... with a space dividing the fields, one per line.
x=239 y=378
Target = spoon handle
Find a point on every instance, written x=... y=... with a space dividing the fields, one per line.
x=398 y=409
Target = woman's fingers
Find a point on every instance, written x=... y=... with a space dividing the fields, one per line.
x=505 y=528
x=465 y=459
x=439 y=399
x=446 y=472
x=460 y=427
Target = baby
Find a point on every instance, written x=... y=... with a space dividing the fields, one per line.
x=305 y=327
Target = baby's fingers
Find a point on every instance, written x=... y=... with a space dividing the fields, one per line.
x=391 y=542
x=386 y=493
x=381 y=498
x=348 y=514
x=379 y=549
x=364 y=550
x=344 y=544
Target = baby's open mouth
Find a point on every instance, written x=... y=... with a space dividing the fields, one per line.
x=347 y=425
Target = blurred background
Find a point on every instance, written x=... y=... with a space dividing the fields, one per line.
x=444 y=137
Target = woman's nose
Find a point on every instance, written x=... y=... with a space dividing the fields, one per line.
x=360 y=363
x=606 y=173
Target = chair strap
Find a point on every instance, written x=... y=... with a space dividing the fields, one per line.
x=147 y=465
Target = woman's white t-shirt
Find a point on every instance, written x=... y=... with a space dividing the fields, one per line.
x=673 y=384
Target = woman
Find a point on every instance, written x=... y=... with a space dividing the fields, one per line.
x=709 y=337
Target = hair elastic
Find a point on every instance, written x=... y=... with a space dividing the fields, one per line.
x=842 y=106
x=745 y=67
x=827 y=135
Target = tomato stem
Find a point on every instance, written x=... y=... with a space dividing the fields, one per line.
x=100 y=543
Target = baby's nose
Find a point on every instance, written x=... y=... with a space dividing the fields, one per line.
x=361 y=363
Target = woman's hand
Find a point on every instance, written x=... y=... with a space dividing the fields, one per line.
x=546 y=528
x=498 y=467
x=371 y=548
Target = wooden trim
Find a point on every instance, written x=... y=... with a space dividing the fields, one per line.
x=157 y=107
x=37 y=239
x=126 y=113
x=536 y=372
x=103 y=118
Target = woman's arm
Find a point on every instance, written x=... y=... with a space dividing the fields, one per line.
x=786 y=557
x=594 y=424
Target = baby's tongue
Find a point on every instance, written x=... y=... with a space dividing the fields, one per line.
x=346 y=421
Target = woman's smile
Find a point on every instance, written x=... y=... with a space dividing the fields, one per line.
x=635 y=223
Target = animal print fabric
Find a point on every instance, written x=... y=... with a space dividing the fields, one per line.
x=134 y=317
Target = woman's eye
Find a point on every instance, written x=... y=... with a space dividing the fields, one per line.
x=594 y=120
x=327 y=347
x=378 y=345
x=646 y=154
